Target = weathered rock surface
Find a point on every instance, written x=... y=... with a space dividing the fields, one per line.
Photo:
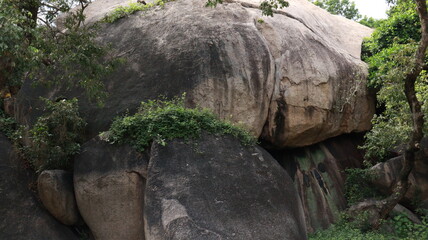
x=21 y=216
x=296 y=79
x=109 y=187
x=387 y=173
x=55 y=188
x=318 y=173
x=215 y=188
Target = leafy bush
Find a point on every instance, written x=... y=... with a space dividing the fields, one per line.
x=358 y=186
x=390 y=53
x=7 y=125
x=55 y=136
x=406 y=229
x=162 y=120
x=400 y=227
x=125 y=11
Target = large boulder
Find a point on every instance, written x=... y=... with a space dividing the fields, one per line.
x=109 y=183
x=55 y=188
x=215 y=188
x=294 y=79
x=22 y=216
x=387 y=173
x=318 y=173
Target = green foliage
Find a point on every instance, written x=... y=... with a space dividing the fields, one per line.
x=400 y=227
x=162 y=120
x=268 y=6
x=390 y=53
x=370 y=22
x=7 y=125
x=344 y=8
x=56 y=135
x=358 y=185
x=67 y=56
x=406 y=229
x=213 y=3
x=125 y=11
x=14 y=46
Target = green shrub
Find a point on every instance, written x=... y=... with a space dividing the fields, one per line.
x=358 y=186
x=400 y=227
x=56 y=136
x=162 y=120
x=125 y=11
x=7 y=125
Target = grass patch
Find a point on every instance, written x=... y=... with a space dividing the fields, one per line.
x=125 y=11
x=162 y=120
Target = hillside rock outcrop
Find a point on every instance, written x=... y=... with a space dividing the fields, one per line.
x=294 y=79
x=22 y=216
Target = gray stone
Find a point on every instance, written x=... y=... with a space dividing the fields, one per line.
x=109 y=186
x=22 y=216
x=387 y=173
x=318 y=174
x=215 y=188
x=55 y=188
x=295 y=79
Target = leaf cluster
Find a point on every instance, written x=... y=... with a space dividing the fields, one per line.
x=14 y=46
x=131 y=8
x=56 y=136
x=358 y=185
x=66 y=55
x=402 y=229
x=268 y=6
x=390 y=54
x=344 y=8
x=163 y=120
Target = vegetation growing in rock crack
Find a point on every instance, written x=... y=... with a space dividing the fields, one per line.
x=56 y=136
x=163 y=120
x=125 y=11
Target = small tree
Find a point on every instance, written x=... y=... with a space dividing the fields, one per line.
x=32 y=46
x=398 y=66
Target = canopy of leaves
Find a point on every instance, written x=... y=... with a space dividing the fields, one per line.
x=56 y=136
x=390 y=53
x=162 y=120
x=32 y=46
x=344 y=8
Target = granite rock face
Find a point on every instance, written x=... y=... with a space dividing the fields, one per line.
x=215 y=188
x=109 y=185
x=56 y=191
x=318 y=172
x=294 y=79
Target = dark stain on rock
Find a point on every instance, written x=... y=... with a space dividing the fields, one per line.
x=321 y=167
x=306 y=180
x=280 y=117
x=320 y=181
